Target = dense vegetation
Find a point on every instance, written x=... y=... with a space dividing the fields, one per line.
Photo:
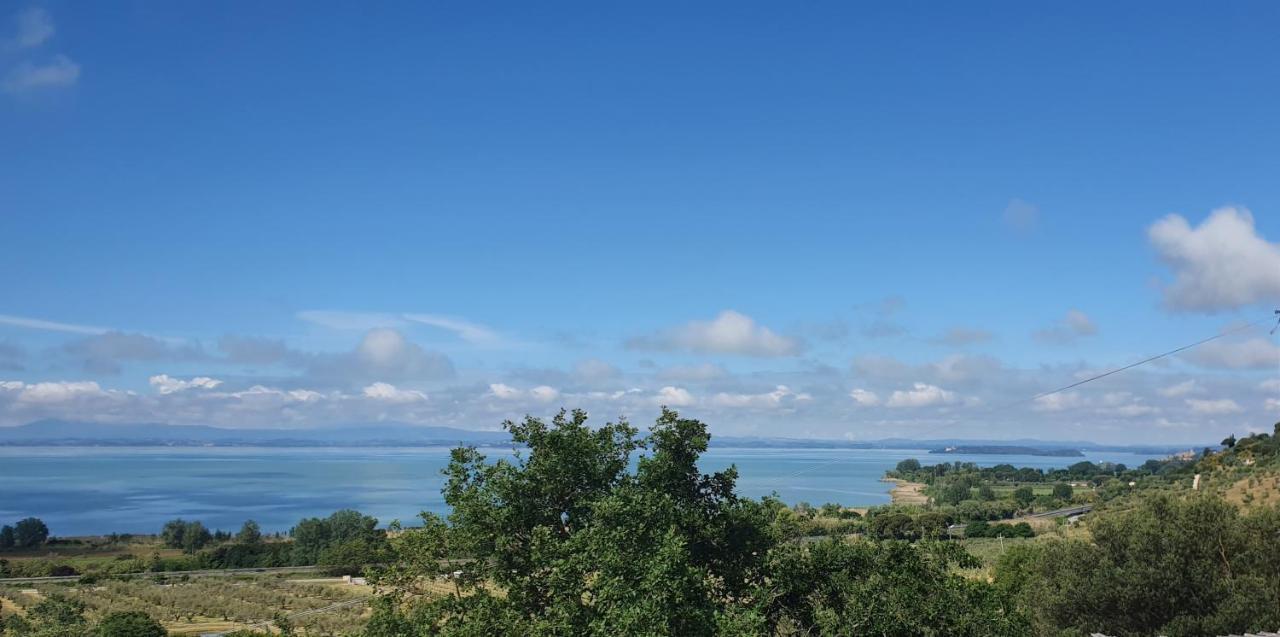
x=578 y=536
x=567 y=540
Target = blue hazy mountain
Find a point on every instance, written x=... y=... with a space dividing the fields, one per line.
x=68 y=433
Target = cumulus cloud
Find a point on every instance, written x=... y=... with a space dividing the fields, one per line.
x=1222 y=264
x=34 y=27
x=1021 y=215
x=729 y=333
x=674 y=397
x=864 y=397
x=1178 y=390
x=1246 y=353
x=166 y=384
x=52 y=392
x=391 y=393
x=1074 y=325
x=56 y=72
x=921 y=395
x=541 y=393
x=1218 y=407
x=383 y=355
x=1058 y=402
x=780 y=396
x=105 y=353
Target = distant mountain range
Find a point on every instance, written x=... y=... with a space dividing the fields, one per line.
x=70 y=433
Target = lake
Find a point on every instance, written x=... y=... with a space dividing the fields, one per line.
x=98 y=490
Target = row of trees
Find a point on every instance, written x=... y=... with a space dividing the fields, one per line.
x=25 y=534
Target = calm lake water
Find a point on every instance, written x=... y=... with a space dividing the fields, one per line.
x=93 y=490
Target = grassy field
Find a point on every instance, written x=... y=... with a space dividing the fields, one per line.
x=318 y=606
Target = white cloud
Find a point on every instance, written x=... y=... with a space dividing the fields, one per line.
x=1074 y=325
x=1021 y=215
x=921 y=395
x=544 y=394
x=470 y=332
x=391 y=393
x=729 y=333
x=52 y=326
x=1180 y=389
x=1272 y=404
x=1250 y=353
x=541 y=393
x=1270 y=384
x=865 y=398
x=780 y=396
x=58 y=72
x=674 y=397
x=1217 y=407
x=362 y=321
x=504 y=392
x=53 y=392
x=34 y=27
x=166 y=384
x=1221 y=265
x=1058 y=402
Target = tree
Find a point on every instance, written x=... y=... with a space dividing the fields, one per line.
x=910 y=465
x=7 y=537
x=580 y=540
x=129 y=624
x=195 y=537
x=1166 y=567
x=1024 y=496
x=172 y=533
x=1229 y=441
x=55 y=616
x=30 y=532
x=986 y=493
x=313 y=536
x=954 y=493
x=250 y=533
x=1063 y=491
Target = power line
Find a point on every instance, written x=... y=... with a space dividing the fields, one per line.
x=1237 y=329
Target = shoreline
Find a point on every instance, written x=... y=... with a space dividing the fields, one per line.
x=904 y=492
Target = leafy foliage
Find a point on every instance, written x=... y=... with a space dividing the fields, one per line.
x=565 y=540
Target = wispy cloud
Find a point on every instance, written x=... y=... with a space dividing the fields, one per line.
x=473 y=333
x=58 y=72
x=52 y=326
x=33 y=27
x=1075 y=325
x=470 y=332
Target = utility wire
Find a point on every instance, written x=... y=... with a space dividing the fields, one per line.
x=1237 y=329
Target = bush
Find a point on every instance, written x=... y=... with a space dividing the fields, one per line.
x=129 y=624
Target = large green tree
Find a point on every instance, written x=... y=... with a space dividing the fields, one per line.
x=573 y=538
x=1166 y=567
x=30 y=532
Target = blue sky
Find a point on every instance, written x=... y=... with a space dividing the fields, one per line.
x=619 y=206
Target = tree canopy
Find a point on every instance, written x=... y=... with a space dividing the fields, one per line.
x=579 y=543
